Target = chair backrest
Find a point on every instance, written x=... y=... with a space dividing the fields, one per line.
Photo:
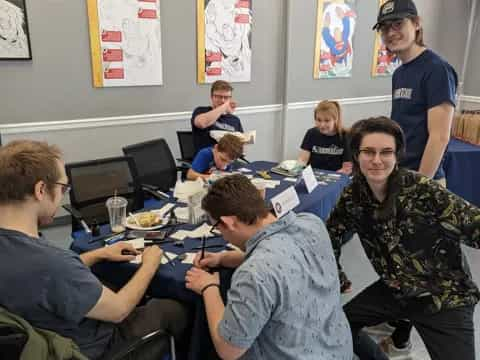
x=93 y=182
x=154 y=163
x=187 y=147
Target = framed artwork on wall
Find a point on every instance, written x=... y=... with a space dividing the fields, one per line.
x=14 y=35
x=224 y=40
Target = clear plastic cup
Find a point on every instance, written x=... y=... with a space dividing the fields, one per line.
x=262 y=189
x=117 y=212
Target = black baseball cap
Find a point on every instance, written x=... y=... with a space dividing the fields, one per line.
x=395 y=10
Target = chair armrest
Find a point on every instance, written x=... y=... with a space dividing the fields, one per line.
x=129 y=348
x=77 y=216
x=155 y=192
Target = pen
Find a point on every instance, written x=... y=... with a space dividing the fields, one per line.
x=168 y=259
x=204 y=240
x=209 y=247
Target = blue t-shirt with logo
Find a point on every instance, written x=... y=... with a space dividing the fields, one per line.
x=201 y=137
x=326 y=152
x=417 y=86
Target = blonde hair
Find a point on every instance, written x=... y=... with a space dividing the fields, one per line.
x=332 y=110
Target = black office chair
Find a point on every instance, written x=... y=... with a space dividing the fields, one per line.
x=155 y=165
x=93 y=182
x=187 y=147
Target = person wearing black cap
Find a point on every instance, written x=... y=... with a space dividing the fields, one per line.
x=423 y=101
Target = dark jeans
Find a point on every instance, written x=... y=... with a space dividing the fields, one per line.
x=448 y=334
x=157 y=314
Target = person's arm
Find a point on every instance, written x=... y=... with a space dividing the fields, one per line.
x=207 y=119
x=340 y=224
x=304 y=157
x=251 y=293
x=227 y=259
x=109 y=253
x=193 y=175
x=458 y=219
x=346 y=168
x=439 y=125
x=115 y=307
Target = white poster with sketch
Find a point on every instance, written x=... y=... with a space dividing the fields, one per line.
x=336 y=21
x=224 y=30
x=125 y=42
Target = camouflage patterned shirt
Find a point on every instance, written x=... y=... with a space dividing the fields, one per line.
x=416 y=250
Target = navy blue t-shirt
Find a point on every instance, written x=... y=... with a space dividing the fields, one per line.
x=52 y=289
x=326 y=152
x=417 y=86
x=201 y=137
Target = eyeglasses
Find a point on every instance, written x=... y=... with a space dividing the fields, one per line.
x=65 y=187
x=385 y=154
x=395 y=25
x=222 y=97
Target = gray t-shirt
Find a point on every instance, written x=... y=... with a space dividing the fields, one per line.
x=284 y=300
x=52 y=289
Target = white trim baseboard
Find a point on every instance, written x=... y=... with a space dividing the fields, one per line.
x=344 y=101
x=470 y=99
x=35 y=127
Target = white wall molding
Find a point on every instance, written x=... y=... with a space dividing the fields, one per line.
x=470 y=99
x=344 y=101
x=9 y=129
x=35 y=127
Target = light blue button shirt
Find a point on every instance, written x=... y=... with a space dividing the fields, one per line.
x=284 y=300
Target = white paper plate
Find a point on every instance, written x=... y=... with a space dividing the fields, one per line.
x=134 y=226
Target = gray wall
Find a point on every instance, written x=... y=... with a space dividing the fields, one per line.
x=57 y=84
x=472 y=78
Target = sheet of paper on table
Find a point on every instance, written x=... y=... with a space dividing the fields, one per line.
x=267 y=184
x=171 y=256
x=189 y=257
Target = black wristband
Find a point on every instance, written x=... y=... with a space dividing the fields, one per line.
x=207 y=286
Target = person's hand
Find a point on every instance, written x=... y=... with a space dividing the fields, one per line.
x=210 y=260
x=196 y=279
x=120 y=251
x=229 y=106
x=152 y=256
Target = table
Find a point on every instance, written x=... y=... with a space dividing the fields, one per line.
x=462 y=169
x=170 y=282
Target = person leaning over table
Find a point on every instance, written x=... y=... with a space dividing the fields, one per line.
x=411 y=229
x=284 y=298
x=218 y=116
x=53 y=288
x=217 y=157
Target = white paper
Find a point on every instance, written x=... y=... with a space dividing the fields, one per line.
x=189 y=257
x=266 y=184
x=138 y=258
x=310 y=181
x=290 y=179
x=244 y=170
x=138 y=243
x=285 y=201
x=187 y=188
x=180 y=234
x=202 y=230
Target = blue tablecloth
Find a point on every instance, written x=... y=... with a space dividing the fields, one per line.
x=462 y=169
x=169 y=282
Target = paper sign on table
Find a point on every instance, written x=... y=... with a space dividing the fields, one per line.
x=285 y=201
x=189 y=257
x=310 y=180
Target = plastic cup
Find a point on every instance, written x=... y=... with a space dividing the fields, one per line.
x=117 y=212
x=261 y=189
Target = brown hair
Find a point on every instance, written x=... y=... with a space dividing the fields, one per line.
x=23 y=163
x=332 y=110
x=220 y=85
x=231 y=145
x=419 y=32
x=235 y=195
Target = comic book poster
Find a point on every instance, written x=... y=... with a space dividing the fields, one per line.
x=336 y=20
x=125 y=42
x=384 y=62
x=224 y=32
